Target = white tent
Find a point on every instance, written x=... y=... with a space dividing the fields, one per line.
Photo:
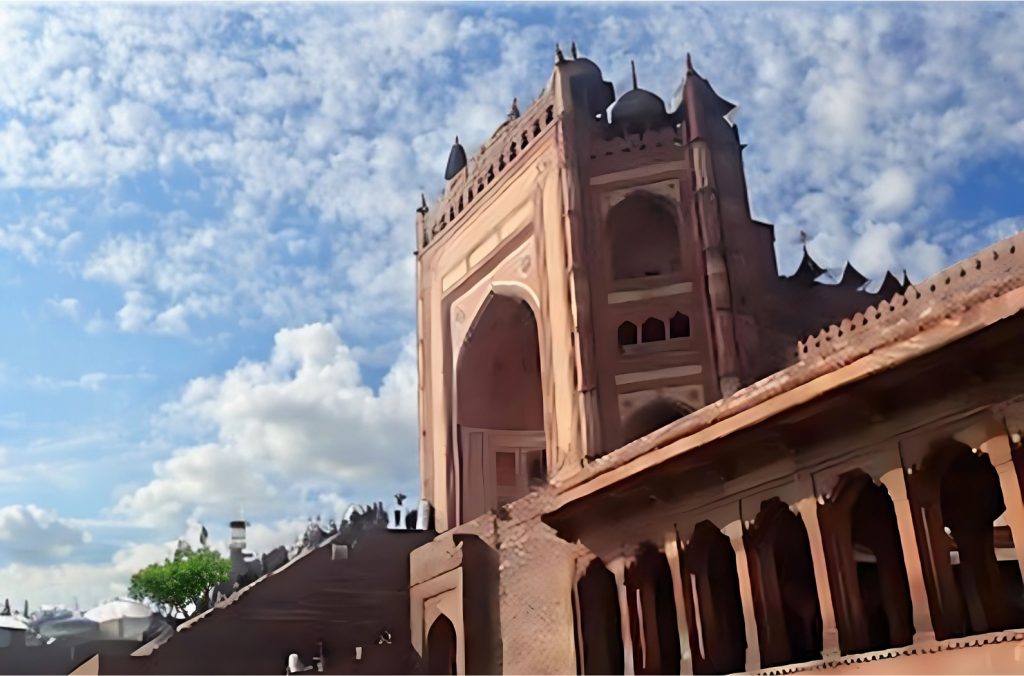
x=121 y=619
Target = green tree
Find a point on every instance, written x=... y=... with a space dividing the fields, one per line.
x=182 y=582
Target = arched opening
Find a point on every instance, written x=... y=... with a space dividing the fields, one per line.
x=627 y=334
x=500 y=407
x=714 y=611
x=598 y=623
x=442 y=647
x=974 y=581
x=679 y=326
x=870 y=592
x=650 y=417
x=652 y=614
x=644 y=238
x=652 y=331
x=785 y=595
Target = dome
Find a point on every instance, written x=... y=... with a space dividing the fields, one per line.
x=456 y=160
x=638 y=111
x=587 y=84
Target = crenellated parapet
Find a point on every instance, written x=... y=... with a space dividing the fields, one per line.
x=498 y=155
x=989 y=273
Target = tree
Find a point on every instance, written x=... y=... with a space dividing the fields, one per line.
x=182 y=582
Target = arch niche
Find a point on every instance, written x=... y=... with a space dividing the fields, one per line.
x=644 y=238
x=442 y=647
x=499 y=408
x=652 y=416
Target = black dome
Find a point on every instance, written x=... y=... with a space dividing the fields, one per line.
x=456 y=160
x=587 y=84
x=638 y=111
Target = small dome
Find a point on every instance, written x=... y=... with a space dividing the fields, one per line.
x=588 y=86
x=456 y=160
x=638 y=111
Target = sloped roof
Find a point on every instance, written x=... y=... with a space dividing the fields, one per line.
x=962 y=299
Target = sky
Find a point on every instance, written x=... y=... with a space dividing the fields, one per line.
x=207 y=226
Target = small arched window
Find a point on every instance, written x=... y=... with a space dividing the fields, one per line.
x=679 y=326
x=653 y=330
x=644 y=238
x=627 y=334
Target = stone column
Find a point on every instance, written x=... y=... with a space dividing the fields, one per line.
x=998 y=450
x=808 y=508
x=896 y=483
x=672 y=555
x=735 y=533
x=618 y=568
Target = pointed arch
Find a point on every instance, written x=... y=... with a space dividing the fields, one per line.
x=644 y=237
x=652 y=416
x=442 y=647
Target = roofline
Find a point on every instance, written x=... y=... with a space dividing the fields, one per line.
x=964 y=303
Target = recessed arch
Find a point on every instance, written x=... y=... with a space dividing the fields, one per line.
x=627 y=334
x=714 y=610
x=652 y=613
x=644 y=237
x=789 y=627
x=679 y=326
x=599 y=627
x=652 y=416
x=499 y=407
x=442 y=647
x=870 y=590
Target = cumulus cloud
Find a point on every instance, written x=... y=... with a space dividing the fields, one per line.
x=30 y=534
x=302 y=419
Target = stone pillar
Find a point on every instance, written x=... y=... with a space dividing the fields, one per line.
x=672 y=555
x=808 y=508
x=896 y=483
x=998 y=450
x=734 y=531
x=618 y=568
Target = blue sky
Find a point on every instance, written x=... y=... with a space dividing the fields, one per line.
x=207 y=226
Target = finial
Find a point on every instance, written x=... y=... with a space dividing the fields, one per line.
x=689 y=63
x=572 y=50
x=632 y=65
x=423 y=208
x=456 y=139
x=514 y=113
x=803 y=238
x=559 y=56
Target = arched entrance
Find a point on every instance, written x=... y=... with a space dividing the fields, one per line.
x=598 y=623
x=442 y=647
x=500 y=407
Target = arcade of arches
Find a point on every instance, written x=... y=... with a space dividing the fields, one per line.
x=765 y=575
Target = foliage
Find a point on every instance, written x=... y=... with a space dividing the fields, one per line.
x=181 y=582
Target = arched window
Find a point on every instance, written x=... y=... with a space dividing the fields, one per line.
x=644 y=238
x=652 y=416
x=652 y=614
x=785 y=595
x=627 y=334
x=714 y=611
x=870 y=592
x=652 y=331
x=442 y=647
x=598 y=623
x=958 y=500
x=679 y=326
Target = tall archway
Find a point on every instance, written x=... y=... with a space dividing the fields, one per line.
x=644 y=238
x=652 y=614
x=714 y=611
x=652 y=416
x=959 y=499
x=599 y=629
x=442 y=647
x=500 y=407
x=870 y=591
x=789 y=627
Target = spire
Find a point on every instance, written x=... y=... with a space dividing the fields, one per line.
x=809 y=270
x=559 y=56
x=572 y=50
x=852 y=277
x=890 y=286
x=423 y=208
x=456 y=160
x=514 y=112
x=632 y=65
x=906 y=280
x=689 y=64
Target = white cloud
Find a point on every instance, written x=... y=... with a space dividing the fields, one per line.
x=301 y=419
x=30 y=534
x=68 y=307
x=891 y=194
